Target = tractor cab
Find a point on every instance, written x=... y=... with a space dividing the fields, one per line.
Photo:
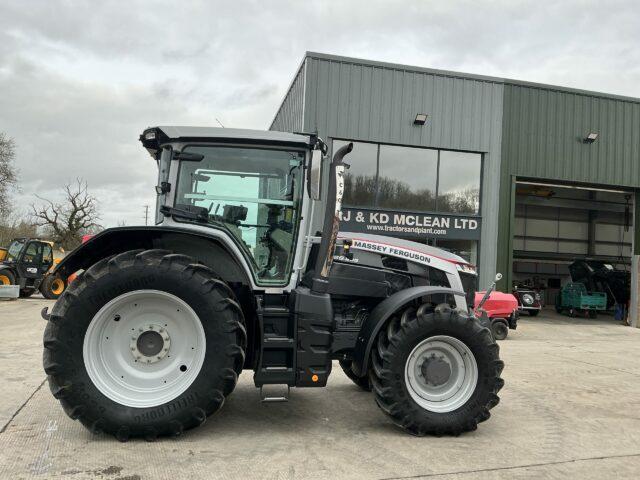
x=248 y=185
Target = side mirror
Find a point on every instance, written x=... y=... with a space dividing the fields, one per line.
x=164 y=187
x=498 y=277
x=315 y=175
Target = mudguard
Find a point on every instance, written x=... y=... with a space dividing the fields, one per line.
x=379 y=316
x=206 y=248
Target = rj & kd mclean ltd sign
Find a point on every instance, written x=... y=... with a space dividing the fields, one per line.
x=410 y=224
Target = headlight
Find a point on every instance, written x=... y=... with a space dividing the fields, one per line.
x=527 y=299
x=537 y=295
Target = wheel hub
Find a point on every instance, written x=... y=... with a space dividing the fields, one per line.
x=441 y=373
x=436 y=371
x=151 y=345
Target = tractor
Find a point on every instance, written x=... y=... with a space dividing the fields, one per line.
x=245 y=271
x=28 y=263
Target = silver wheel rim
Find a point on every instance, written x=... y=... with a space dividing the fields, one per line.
x=441 y=374
x=144 y=348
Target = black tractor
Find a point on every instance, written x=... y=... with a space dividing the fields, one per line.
x=243 y=271
x=27 y=262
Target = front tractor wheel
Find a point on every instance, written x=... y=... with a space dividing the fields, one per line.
x=436 y=373
x=146 y=343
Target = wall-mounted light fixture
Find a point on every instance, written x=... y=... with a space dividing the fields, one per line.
x=592 y=137
x=421 y=119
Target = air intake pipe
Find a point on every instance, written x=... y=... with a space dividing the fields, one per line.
x=331 y=221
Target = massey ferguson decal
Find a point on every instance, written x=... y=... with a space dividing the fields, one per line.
x=410 y=224
x=409 y=254
x=390 y=250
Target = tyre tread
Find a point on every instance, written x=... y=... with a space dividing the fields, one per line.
x=397 y=405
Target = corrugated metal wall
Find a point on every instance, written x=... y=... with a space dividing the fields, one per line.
x=543 y=132
x=290 y=115
x=371 y=101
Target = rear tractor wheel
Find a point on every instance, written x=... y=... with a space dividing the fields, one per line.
x=146 y=343
x=52 y=287
x=436 y=373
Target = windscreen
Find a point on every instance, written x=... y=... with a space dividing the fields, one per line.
x=13 y=252
x=252 y=193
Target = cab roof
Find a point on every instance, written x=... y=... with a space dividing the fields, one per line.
x=152 y=138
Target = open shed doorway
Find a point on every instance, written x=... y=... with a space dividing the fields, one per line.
x=574 y=234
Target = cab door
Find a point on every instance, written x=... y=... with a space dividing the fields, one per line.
x=30 y=263
x=47 y=258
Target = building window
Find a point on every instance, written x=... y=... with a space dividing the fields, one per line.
x=360 y=178
x=459 y=182
x=413 y=179
x=407 y=178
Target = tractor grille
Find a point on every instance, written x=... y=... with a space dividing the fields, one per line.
x=469 y=285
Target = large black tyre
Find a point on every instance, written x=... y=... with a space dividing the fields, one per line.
x=362 y=382
x=180 y=276
x=394 y=345
x=52 y=287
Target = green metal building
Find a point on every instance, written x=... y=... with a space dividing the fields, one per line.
x=520 y=178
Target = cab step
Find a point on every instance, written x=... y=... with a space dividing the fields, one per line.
x=276 y=365
x=274 y=393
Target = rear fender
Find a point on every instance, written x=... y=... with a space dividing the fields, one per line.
x=382 y=312
x=209 y=250
x=213 y=251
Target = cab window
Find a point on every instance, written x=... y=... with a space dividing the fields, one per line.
x=255 y=195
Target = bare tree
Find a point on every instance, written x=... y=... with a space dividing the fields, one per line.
x=8 y=173
x=68 y=220
x=14 y=225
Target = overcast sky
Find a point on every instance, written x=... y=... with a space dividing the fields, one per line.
x=80 y=80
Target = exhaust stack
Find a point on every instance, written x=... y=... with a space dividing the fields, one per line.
x=331 y=220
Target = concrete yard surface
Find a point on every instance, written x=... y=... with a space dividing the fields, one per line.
x=569 y=409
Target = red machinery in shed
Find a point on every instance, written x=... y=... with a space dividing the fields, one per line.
x=501 y=308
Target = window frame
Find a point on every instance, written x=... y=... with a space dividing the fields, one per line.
x=253 y=266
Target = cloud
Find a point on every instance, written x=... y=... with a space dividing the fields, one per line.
x=80 y=80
